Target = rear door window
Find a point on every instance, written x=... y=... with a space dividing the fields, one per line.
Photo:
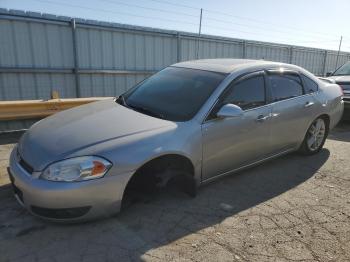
x=285 y=86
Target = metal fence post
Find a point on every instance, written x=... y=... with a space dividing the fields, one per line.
x=75 y=55
x=244 y=55
x=325 y=62
x=178 y=47
x=199 y=33
x=290 y=55
x=336 y=63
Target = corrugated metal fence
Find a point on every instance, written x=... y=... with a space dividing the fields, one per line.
x=40 y=53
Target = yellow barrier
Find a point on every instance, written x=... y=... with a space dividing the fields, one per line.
x=27 y=109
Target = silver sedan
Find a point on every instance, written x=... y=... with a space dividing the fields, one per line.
x=190 y=123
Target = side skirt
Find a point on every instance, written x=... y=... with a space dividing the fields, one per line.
x=208 y=180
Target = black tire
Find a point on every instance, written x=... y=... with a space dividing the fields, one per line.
x=305 y=147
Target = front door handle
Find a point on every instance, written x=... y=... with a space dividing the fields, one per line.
x=308 y=104
x=262 y=118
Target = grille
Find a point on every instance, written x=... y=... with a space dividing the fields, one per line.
x=345 y=86
x=16 y=190
x=24 y=164
x=61 y=213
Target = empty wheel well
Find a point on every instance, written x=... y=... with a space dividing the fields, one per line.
x=172 y=161
x=158 y=172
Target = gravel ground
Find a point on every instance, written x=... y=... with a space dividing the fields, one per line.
x=290 y=209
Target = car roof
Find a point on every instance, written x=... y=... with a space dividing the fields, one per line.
x=225 y=65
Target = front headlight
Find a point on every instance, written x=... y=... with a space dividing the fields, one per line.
x=77 y=169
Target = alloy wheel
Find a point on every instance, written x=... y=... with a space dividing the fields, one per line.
x=316 y=134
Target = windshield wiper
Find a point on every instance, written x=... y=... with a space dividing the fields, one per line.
x=121 y=100
x=146 y=111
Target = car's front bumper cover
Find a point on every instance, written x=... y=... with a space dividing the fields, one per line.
x=67 y=201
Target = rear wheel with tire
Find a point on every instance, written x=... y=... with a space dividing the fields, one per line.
x=315 y=137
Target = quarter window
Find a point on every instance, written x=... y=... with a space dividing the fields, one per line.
x=284 y=86
x=247 y=94
x=309 y=85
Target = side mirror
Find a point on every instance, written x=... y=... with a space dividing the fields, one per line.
x=329 y=74
x=229 y=110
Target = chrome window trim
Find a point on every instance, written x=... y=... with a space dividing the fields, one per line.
x=256 y=108
x=268 y=103
x=244 y=111
x=292 y=98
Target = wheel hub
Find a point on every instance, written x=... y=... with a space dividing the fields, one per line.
x=316 y=134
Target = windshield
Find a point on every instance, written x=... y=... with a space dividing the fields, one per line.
x=343 y=70
x=174 y=93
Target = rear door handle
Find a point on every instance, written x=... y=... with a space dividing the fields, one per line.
x=308 y=104
x=262 y=118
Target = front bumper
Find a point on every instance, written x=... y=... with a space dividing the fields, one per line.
x=67 y=201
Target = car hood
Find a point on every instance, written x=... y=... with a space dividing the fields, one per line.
x=59 y=136
x=340 y=78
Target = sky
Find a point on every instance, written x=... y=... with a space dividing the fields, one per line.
x=313 y=23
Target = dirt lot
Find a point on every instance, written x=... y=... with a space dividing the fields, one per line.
x=291 y=209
